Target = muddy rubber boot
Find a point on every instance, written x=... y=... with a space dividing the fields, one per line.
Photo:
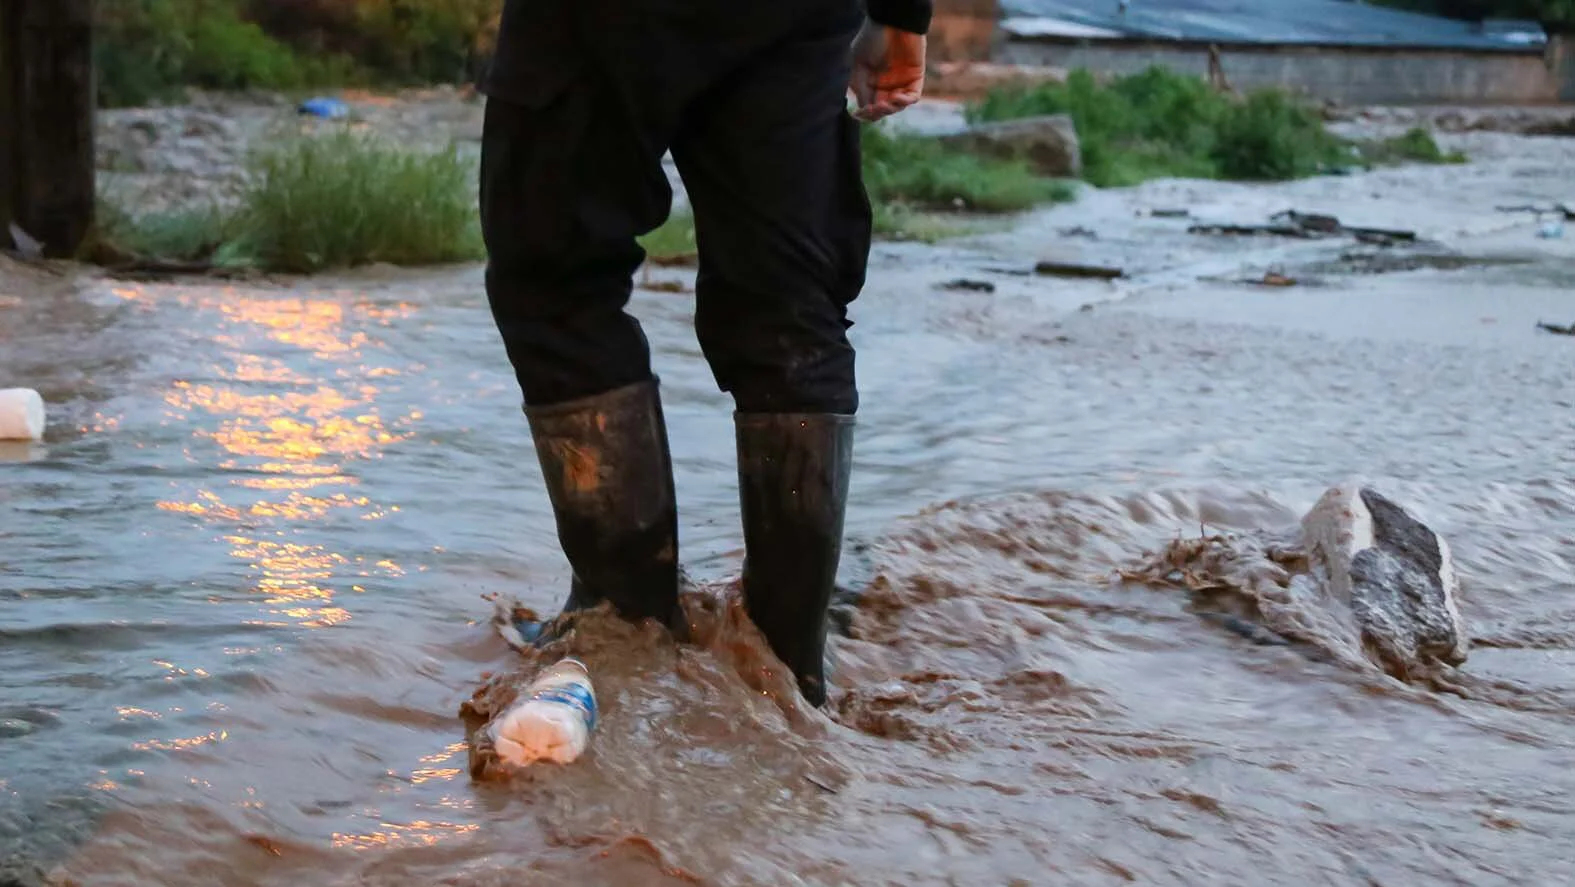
x=609 y=476
x=793 y=471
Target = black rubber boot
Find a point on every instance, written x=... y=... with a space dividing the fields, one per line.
x=793 y=471
x=610 y=479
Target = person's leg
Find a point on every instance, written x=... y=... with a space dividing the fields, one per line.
x=567 y=184
x=771 y=161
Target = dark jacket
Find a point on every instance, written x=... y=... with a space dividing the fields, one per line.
x=542 y=44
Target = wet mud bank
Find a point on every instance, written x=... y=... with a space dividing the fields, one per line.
x=242 y=580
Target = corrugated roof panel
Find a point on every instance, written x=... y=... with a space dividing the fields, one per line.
x=1054 y=27
x=1310 y=22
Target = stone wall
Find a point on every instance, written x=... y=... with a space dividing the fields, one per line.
x=1347 y=75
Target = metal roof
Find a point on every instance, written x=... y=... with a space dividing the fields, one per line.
x=1280 y=22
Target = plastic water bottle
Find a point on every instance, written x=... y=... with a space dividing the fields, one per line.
x=552 y=722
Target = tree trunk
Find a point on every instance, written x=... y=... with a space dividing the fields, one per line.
x=46 y=122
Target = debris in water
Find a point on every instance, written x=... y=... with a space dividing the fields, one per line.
x=818 y=783
x=324 y=107
x=1556 y=329
x=676 y=260
x=265 y=844
x=1562 y=209
x=1078 y=231
x=1246 y=628
x=22 y=414
x=26 y=246
x=665 y=286
x=1170 y=213
x=1292 y=223
x=1073 y=269
x=1307 y=221
x=11 y=728
x=1249 y=230
x=554 y=720
x=1274 y=278
x=1361 y=579
x=973 y=286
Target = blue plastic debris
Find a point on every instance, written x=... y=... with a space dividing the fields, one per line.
x=331 y=109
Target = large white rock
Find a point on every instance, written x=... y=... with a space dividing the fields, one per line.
x=1394 y=574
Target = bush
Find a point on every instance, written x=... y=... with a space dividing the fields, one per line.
x=401 y=41
x=920 y=172
x=146 y=49
x=1416 y=145
x=1135 y=128
x=1271 y=138
x=1158 y=124
x=347 y=199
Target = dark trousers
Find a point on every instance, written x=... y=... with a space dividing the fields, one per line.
x=582 y=104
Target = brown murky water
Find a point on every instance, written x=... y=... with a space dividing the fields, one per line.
x=241 y=597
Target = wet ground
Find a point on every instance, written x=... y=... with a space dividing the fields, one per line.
x=241 y=581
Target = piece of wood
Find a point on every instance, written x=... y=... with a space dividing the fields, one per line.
x=47 y=178
x=1069 y=269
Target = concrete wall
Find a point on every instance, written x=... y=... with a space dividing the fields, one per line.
x=1351 y=76
x=1561 y=55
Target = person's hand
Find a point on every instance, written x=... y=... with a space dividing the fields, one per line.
x=888 y=70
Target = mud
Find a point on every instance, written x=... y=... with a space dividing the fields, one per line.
x=241 y=582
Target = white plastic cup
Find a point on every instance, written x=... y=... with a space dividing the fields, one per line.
x=21 y=414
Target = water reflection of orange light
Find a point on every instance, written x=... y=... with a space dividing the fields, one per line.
x=290 y=574
x=431 y=771
x=291 y=442
x=181 y=744
x=314 y=325
x=418 y=833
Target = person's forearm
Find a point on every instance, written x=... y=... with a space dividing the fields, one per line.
x=908 y=15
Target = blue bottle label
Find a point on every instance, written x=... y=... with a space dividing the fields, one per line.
x=574 y=696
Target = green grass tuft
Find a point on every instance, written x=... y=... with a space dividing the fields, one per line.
x=346 y=199
x=673 y=241
x=918 y=172
x=1416 y=145
x=185 y=235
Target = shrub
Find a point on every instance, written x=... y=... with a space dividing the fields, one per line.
x=1269 y=137
x=401 y=41
x=1416 y=145
x=1159 y=124
x=145 y=49
x=345 y=199
x=921 y=172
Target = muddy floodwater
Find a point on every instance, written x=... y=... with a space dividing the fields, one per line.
x=242 y=580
